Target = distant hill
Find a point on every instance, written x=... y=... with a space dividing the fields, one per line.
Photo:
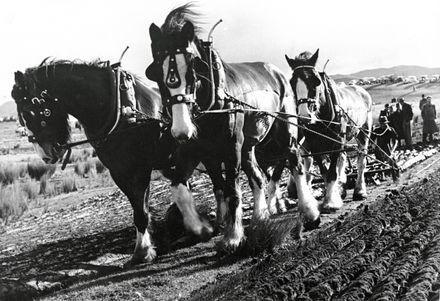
x=8 y=109
x=404 y=70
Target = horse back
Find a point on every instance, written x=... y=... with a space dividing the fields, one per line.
x=357 y=104
x=262 y=86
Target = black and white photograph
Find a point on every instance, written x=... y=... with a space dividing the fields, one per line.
x=219 y=150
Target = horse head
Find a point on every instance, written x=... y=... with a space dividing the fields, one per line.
x=306 y=84
x=180 y=69
x=42 y=115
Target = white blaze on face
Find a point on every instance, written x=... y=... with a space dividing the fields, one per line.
x=302 y=93
x=182 y=126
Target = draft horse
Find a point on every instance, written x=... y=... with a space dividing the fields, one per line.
x=338 y=112
x=93 y=92
x=205 y=112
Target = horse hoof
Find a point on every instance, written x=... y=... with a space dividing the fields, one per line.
x=229 y=246
x=359 y=196
x=206 y=233
x=311 y=225
x=148 y=257
x=328 y=210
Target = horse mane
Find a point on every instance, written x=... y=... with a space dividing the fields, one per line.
x=179 y=16
x=52 y=63
x=149 y=102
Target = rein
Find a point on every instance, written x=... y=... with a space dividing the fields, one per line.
x=276 y=115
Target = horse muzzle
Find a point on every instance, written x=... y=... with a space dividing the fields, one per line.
x=49 y=153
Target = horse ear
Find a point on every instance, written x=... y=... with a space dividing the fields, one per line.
x=152 y=72
x=188 y=31
x=155 y=32
x=314 y=58
x=289 y=61
x=19 y=78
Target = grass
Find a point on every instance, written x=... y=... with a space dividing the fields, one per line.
x=13 y=202
x=81 y=155
x=37 y=169
x=9 y=173
x=68 y=184
x=83 y=168
x=99 y=166
x=46 y=188
x=31 y=189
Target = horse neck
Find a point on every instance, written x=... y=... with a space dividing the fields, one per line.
x=87 y=94
x=325 y=104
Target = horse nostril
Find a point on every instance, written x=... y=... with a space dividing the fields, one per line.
x=47 y=160
x=182 y=137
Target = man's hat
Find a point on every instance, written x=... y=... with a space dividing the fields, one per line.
x=383 y=119
x=428 y=97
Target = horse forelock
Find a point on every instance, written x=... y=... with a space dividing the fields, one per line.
x=179 y=16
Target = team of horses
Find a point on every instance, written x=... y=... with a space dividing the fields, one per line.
x=204 y=110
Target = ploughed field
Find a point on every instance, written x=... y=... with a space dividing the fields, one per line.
x=387 y=250
x=387 y=246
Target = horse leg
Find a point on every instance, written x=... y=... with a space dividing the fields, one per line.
x=360 y=190
x=234 y=233
x=307 y=204
x=214 y=169
x=182 y=197
x=342 y=176
x=138 y=194
x=333 y=200
x=291 y=188
x=256 y=181
x=308 y=163
x=273 y=191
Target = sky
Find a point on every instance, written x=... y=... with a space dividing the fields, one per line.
x=354 y=35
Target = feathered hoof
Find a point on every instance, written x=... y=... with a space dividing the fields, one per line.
x=137 y=259
x=312 y=225
x=326 y=208
x=359 y=196
x=227 y=247
x=206 y=233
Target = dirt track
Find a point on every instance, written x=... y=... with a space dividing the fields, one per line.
x=77 y=252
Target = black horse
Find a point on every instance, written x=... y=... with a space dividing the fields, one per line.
x=45 y=95
x=193 y=83
x=338 y=112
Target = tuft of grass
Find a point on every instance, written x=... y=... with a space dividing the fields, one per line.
x=46 y=188
x=30 y=189
x=37 y=169
x=99 y=166
x=83 y=168
x=11 y=172
x=68 y=184
x=13 y=202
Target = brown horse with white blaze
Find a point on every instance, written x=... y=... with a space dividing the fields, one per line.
x=338 y=112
